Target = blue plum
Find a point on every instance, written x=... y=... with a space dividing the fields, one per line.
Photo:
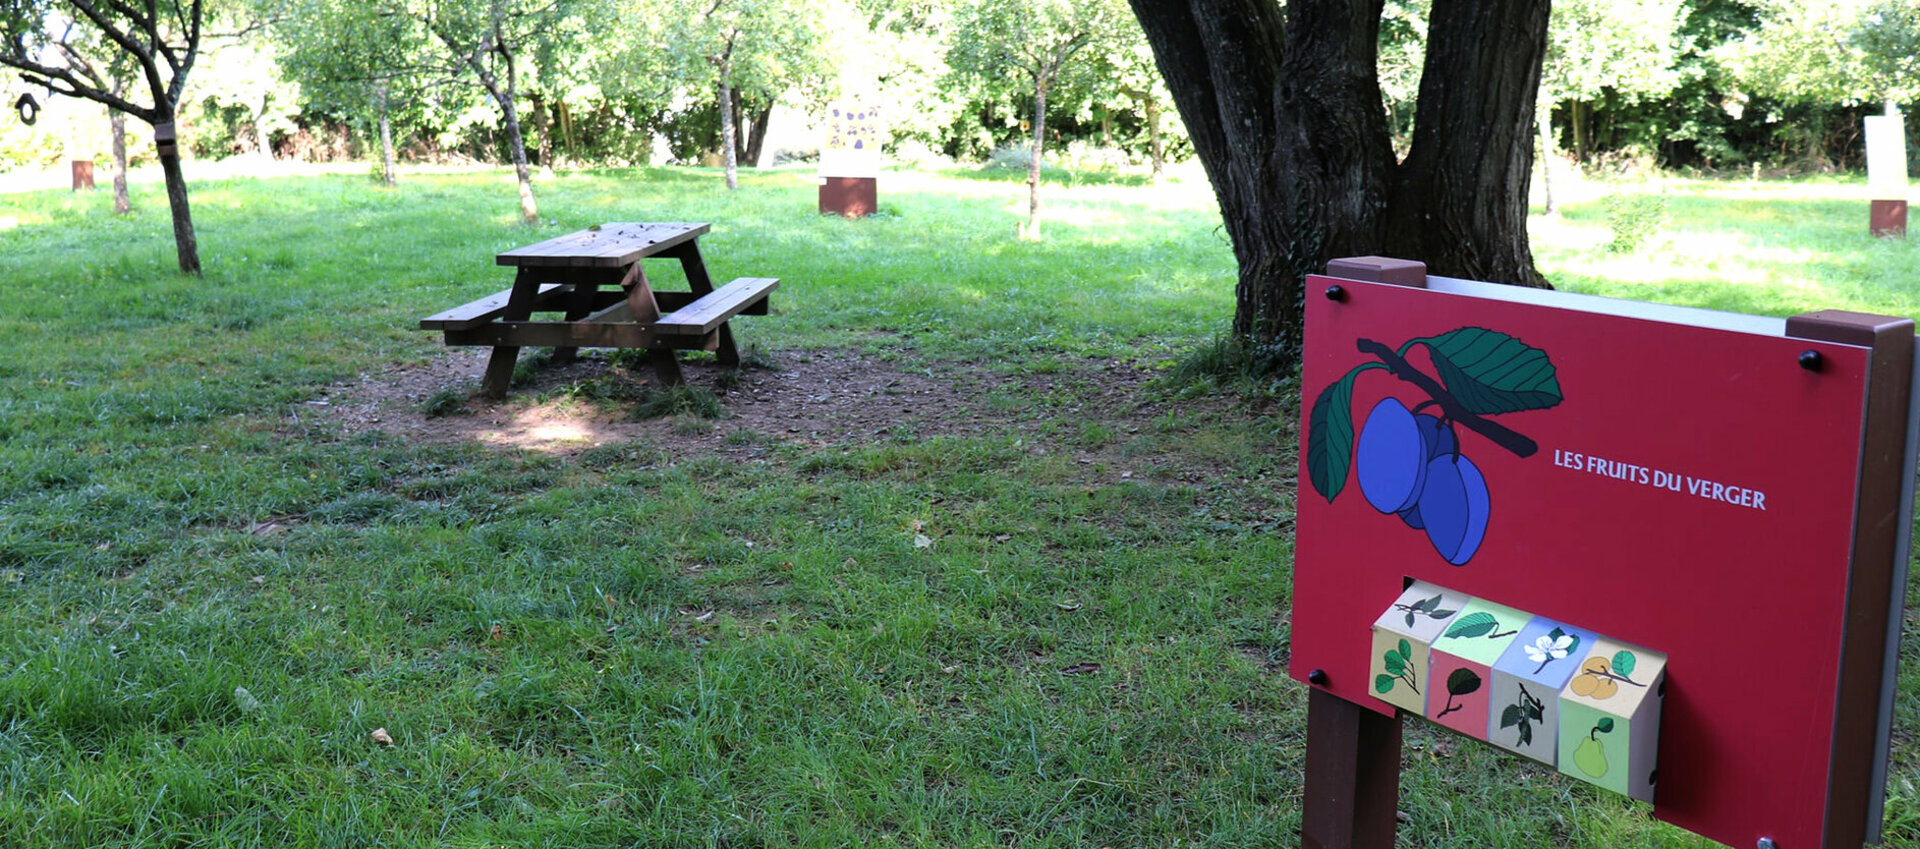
x=1439 y=439
x=1455 y=507
x=1391 y=458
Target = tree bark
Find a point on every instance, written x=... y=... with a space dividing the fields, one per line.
x=184 y=242
x=542 y=139
x=1156 y=143
x=1285 y=112
x=387 y=176
x=261 y=142
x=729 y=143
x=756 y=123
x=529 y=213
x=117 y=121
x=1040 y=85
x=1460 y=200
x=1543 y=120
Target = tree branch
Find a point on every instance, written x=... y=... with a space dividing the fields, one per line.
x=1499 y=434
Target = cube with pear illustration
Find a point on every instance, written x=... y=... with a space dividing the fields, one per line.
x=1524 y=714
x=1461 y=664
x=1401 y=637
x=1610 y=718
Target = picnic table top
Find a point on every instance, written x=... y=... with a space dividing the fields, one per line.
x=610 y=245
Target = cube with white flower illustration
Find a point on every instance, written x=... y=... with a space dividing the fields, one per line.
x=1398 y=667
x=1524 y=710
x=1610 y=731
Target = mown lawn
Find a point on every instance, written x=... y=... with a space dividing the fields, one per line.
x=925 y=639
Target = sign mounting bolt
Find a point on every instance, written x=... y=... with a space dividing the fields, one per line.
x=1811 y=360
x=1318 y=678
x=1766 y=842
x=1336 y=293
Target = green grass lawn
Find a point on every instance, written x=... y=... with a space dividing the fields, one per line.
x=626 y=646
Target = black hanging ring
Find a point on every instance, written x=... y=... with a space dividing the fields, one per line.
x=29 y=109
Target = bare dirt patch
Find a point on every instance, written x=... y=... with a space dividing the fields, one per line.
x=811 y=397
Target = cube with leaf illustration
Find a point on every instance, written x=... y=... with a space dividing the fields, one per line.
x=1400 y=639
x=1462 y=663
x=1610 y=727
x=1524 y=712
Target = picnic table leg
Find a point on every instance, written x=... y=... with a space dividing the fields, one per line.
x=579 y=306
x=727 y=353
x=695 y=267
x=519 y=307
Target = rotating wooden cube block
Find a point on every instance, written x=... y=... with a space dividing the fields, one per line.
x=1462 y=661
x=1527 y=680
x=1401 y=637
x=1610 y=718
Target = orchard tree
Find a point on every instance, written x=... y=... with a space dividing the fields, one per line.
x=1029 y=42
x=54 y=42
x=1283 y=104
x=1119 y=69
x=245 y=72
x=357 y=58
x=754 y=46
x=491 y=40
x=1631 y=48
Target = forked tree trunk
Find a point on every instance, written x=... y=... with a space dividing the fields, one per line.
x=1284 y=109
x=117 y=120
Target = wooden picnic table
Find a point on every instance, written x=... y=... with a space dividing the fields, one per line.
x=566 y=275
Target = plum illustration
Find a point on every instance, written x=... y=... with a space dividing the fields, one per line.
x=1439 y=439
x=1391 y=458
x=1454 y=507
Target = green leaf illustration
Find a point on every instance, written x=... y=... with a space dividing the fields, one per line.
x=1441 y=614
x=1526 y=734
x=1490 y=372
x=1462 y=681
x=1427 y=604
x=1409 y=618
x=1605 y=725
x=1330 y=437
x=1511 y=716
x=1474 y=625
x=1623 y=663
x=1406 y=650
x=1394 y=663
x=1382 y=683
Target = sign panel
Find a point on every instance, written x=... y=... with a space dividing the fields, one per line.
x=1669 y=478
x=1887 y=157
x=854 y=137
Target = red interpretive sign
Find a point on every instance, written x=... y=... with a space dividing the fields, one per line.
x=1723 y=490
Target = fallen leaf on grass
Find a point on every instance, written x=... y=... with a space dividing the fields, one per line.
x=245 y=700
x=1002 y=537
x=1080 y=669
x=922 y=541
x=1068 y=605
x=381 y=736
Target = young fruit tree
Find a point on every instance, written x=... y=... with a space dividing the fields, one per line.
x=1029 y=41
x=354 y=57
x=61 y=44
x=1283 y=104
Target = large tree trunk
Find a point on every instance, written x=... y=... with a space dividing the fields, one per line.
x=529 y=214
x=117 y=120
x=729 y=138
x=542 y=139
x=1285 y=112
x=1460 y=200
x=1034 y=161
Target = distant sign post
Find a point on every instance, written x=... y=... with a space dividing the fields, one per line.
x=850 y=160
x=1887 y=173
x=1689 y=528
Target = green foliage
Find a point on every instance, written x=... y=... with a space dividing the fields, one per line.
x=1634 y=218
x=1852 y=51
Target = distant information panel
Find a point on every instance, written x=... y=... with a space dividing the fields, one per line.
x=1674 y=479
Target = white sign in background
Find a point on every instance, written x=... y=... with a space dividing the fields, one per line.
x=1887 y=157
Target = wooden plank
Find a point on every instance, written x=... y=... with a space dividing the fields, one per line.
x=1353 y=775
x=610 y=246
x=481 y=311
x=710 y=311
x=556 y=334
